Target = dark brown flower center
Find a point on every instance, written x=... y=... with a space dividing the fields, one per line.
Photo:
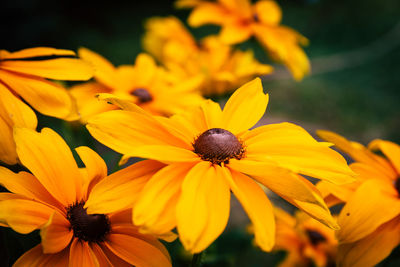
x=142 y=94
x=218 y=145
x=88 y=227
x=315 y=237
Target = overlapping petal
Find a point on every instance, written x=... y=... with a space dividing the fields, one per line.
x=35 y=258
x=56 y=234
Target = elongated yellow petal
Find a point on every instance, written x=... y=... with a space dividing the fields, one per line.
x=165 y=154
x=70 y=69
x=8 y=154
x=56 y=234
x=257 y=206
x=234 y=33
x=49 y=158
x=206 y=13
x=81 y=255
x=120 y=189
x=373 y=204
x=245 y=107
x=155 y=210
x=38 y=52
x=391 y=151
x=35 y=257
x=372 y=249
x=203 y=207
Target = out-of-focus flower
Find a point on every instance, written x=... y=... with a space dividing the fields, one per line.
x=55 y=198
x=370 y=219
x=220 y=67
x=240 y=20
x=145 y=83
x=23 y=75
x=307 y=242
x=210 y=152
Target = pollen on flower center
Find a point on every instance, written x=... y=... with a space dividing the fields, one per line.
x=142 y=94
x=88 y=227
x=218 y=145
x=315 y=237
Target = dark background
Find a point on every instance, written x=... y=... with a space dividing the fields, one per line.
x=354 y=88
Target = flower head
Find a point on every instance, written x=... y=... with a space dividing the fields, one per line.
x=144 y=83
x=211 y=152
x=241 y=20
x=23 y=75
x=370 y=218
x=56 y=199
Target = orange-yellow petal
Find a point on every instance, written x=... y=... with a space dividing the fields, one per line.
x=206 y=13
x=373 y=204
x=8 y=154
x=234 y=33
x=165 y=154
x=36 y=258
x=203 y=207
x=49 y=158
x=268 y=12
x=56 y=234
x=37 y=52
x=391 y=151
x=257 y=206
x=81 y=255
x=245 y=107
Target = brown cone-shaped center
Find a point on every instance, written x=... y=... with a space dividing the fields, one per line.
x=88 y=227
x=142 y=94
x=218 y=145
x=315 y=237
x=397 y=185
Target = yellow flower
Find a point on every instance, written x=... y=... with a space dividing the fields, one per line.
x=370 y=219
x=22 y=75
x=210 y=153
x=307 y=242
x=53 y=199
x=241 y=20
x=144 y=83
x=219 y=67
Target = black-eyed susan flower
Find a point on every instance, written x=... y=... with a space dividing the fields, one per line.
x=22 y=75
x=370 y=219
x=211 y=152
x=241 y=20
x=55 y=197
x=306 y=241
x=144 y=83
x=219 y=67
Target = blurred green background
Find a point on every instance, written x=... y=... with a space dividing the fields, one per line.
x=354 y=88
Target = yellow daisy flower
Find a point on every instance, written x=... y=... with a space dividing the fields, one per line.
x=370 y=219
x=55 y=197
x=308 y=242
x=22 y=75
x=240 y=20
x=145 y=83
x=219 y=67
x=210 y=152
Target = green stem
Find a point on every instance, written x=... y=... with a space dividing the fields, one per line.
x=196 y=260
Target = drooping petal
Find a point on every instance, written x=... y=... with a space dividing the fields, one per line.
x=36 y=258
x=257 y=206
x=373 y=204
x=70 y=69
x=120 y=189
x=245 y=107
x=49 y=158
x=203 y=207
x=37 y=52
x=372 y=249
x=81 y=255
x=136 y=251
x=155 y=211
x=56 y=234
x=8 y=154
x=47 y=97
x=391 y=151
x=23 y=215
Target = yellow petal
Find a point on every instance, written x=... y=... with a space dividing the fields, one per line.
x=38 y=52
x=268 y=12
x=245 y=107
x=8 y=154
x=104 y=70
x=257 y=206
x=120 y=102
x=234 y=33
x=56 y=234
x=46 y=97
x=206 y=13
x=23 y=215
x=49 y=158
x=373 y=204
x=372 y=249
x=70 y=69
x=212 y=114
x=391 y=151
x=136 y=251
x=203 y=207
x=120 y=189
x=81 y=255
x=145 y=68
x=165 y=154
x=155 y=210
x=35 y=258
